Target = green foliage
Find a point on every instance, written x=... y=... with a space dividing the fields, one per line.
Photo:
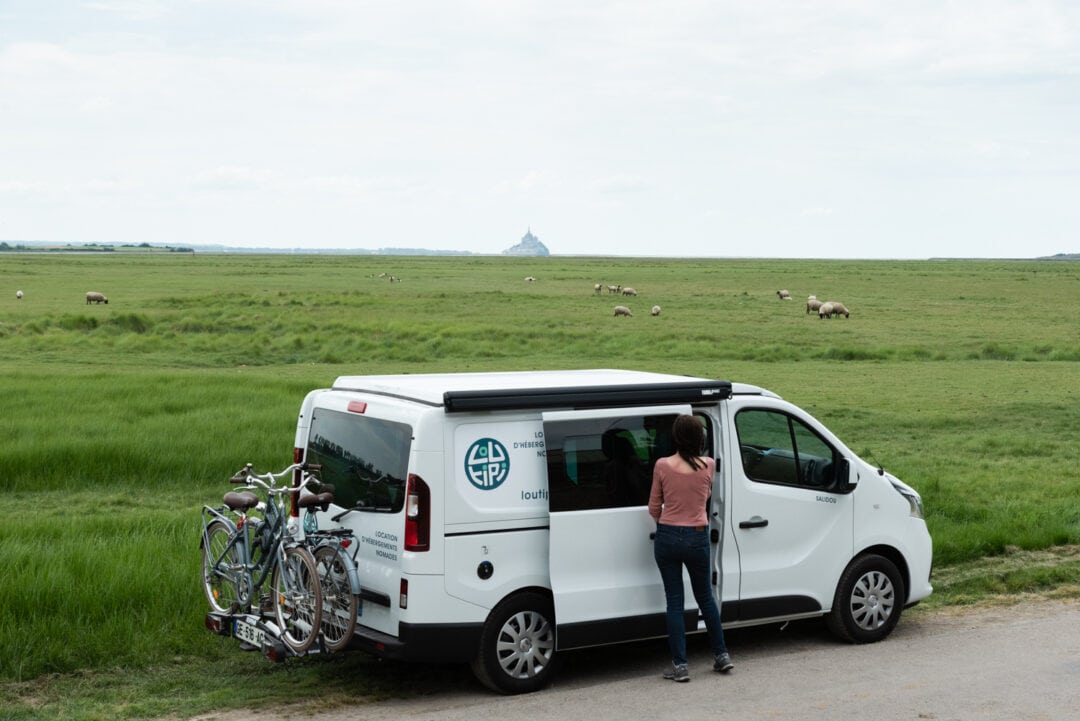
x=121 y=420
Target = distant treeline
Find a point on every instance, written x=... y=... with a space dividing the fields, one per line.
x=92 y=248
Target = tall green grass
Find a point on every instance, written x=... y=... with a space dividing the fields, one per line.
x=119 y=421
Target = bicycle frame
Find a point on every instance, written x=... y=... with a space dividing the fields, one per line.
x=249 y=577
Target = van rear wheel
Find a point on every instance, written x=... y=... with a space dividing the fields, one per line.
x=868 y=600
x=517 y=645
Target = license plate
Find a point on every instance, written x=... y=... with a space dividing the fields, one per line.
x=249 y=634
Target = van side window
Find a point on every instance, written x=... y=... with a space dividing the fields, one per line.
x=604 y=462
x=777 y=448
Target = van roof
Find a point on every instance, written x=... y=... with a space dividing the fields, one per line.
x=459 y=392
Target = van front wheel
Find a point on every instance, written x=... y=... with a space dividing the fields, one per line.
x=868 y=600
x=517 y=645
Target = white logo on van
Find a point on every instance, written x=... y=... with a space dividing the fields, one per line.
x=487 y=464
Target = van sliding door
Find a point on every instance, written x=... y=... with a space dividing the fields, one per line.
x=599 y=464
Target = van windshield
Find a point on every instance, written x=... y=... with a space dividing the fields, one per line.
x=366 y=459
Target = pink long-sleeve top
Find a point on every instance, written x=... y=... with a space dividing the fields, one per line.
x=677 y=498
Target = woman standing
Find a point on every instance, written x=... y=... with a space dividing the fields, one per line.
x=681 y=486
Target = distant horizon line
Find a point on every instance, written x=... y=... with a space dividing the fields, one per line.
x=222 y=248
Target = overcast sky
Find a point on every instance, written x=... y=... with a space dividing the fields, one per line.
x=765 y=128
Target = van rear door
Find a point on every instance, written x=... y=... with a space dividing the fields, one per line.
x=366 y=458
x=603 y=574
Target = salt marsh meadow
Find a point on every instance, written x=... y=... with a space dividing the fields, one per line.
x=120 y=420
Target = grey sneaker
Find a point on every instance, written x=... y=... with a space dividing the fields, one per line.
x=723 y=663
x=678 y=672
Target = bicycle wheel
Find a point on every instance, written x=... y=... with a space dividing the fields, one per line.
x=339 y=605
x=297 y=599
x=219 y=561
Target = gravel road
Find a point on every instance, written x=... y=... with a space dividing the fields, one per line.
x=1015 y=662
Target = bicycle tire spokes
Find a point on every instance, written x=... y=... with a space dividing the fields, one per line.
x=298 y=599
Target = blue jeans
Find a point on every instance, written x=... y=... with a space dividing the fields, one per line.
x=675 y=547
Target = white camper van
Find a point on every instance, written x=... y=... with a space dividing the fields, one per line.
x=502 y=517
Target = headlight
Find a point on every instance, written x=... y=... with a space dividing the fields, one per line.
x=913 y=499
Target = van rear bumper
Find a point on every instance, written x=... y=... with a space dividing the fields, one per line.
x=429 y=643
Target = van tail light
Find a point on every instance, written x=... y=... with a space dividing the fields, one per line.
x=403 y=594
x=417 y=515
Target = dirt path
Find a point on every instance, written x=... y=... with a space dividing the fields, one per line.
x=1014 y=662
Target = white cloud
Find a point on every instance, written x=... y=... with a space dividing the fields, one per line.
x=434 y=120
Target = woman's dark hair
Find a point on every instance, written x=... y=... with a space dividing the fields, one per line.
x=688 y=436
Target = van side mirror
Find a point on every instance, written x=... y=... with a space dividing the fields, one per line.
x=844 y=482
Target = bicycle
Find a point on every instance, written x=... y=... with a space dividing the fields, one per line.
x=239 y=557
x=338 y=573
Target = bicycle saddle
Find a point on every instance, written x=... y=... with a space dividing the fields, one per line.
x=240 y=501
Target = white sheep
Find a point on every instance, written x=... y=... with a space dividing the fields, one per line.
x=629 y=291
x=812 y=304
x=597 y=288
x=622 y=310
x=95 y=297
x=530 y=279
x=656 y=310
x=18 y=294
x=614 y=288
x=824 y=310
x=838 y=308
x=783 y=295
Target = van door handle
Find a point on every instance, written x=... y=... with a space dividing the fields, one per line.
x=755 y=522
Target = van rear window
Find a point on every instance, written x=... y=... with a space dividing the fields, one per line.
x=366 y=459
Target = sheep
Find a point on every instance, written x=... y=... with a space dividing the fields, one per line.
x=95 y=297
x=18 y=294
x=812 y=304
x=629 y=291
x=622 y=310
x=597 y=288
x=614 y=289
x=824 y=310
x=656 y=310
x=530 y=279
x=839 y=308
x=783 y=295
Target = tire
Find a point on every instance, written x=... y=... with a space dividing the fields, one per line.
x=339 y=605
x=517 y=645
x=868 y=601
x=297 y=599
x=220 y=583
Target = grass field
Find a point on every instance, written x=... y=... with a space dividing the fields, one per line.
x=119 y=421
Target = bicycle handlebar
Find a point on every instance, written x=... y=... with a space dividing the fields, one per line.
x=249 y=477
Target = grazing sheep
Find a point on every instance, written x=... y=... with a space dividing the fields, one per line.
x=838 y=308
x=812 y=304
x=629 y=291
x=18 y=294
x=614 y=288
x=597 y=288
x=95 y=297
x=622 y=310
x=783 y=295
x=824 y=310
x=530 y=279
x=656 y=310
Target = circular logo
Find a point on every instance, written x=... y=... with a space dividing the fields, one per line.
x=487 y=464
